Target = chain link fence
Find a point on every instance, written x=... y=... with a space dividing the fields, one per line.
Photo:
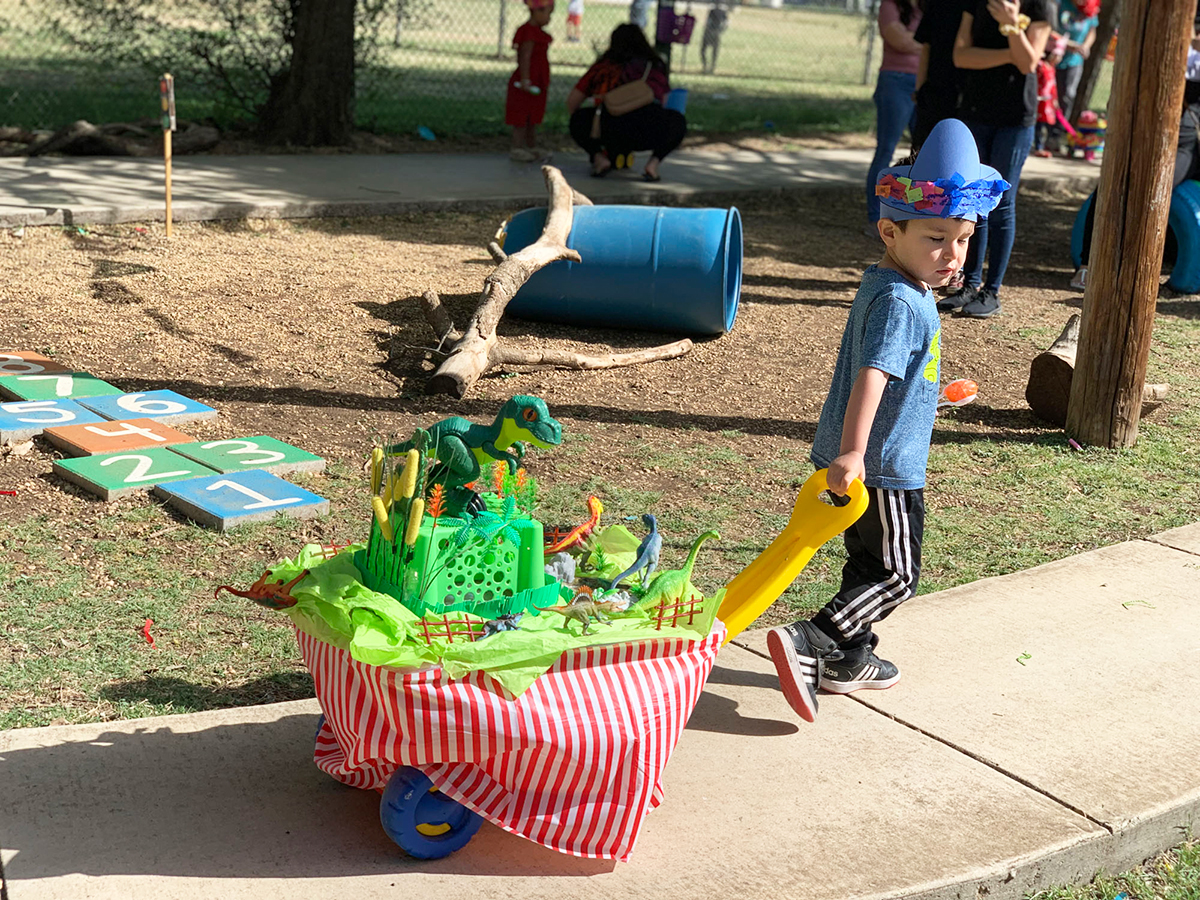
x=442 y=64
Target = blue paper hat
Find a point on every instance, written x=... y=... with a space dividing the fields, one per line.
x=946 y=181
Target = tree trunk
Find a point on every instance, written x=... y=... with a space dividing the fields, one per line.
x=1110 y=17
x=1131 y=219
x=312 y=103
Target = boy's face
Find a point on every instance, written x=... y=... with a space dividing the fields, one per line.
x=930 y=250
x=542 y=16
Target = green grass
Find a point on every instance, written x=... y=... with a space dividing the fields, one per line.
x=790 y=71
x=1174 y=875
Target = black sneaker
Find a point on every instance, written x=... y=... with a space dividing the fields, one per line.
x=798 y=651
x=960 y=298
x=985 y=305
x=873 y=674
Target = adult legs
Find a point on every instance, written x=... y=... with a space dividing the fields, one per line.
x=1005 y=149
x=893 y=113
x=581 y=131
x=652 y=128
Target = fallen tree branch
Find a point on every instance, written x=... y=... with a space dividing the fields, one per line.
x=478 y=349
x=566 y=359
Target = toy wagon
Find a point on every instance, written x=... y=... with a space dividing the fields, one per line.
x=465 y=683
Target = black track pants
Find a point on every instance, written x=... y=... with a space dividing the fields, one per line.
x=881 y=572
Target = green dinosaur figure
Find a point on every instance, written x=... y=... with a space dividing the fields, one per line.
x=462 y=447
x=669 y=586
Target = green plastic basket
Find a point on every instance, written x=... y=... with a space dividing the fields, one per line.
x=486 y=580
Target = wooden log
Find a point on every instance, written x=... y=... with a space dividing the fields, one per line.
x=1131 y=218
x=1048 y=391
x=1050 y=376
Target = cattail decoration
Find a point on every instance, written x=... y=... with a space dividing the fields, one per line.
x=437 y=501
x=376 y=469
x=499 y=470
x=381 y=516
x=412 y=468
x=414 y=522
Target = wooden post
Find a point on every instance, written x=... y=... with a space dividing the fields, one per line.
x=166 y=93
x=1131 y=218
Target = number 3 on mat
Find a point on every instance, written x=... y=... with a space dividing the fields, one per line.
x=262 y=501
x=241 y=446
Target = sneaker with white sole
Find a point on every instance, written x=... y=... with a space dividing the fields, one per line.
x=798 y=650
x=872 y=674
x=1079 y=279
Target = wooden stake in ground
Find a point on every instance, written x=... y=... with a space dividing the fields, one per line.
x=1131 y=219
x=166 y=93
x=478 y=348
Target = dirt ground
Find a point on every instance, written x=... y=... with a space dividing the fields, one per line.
x=284 y=326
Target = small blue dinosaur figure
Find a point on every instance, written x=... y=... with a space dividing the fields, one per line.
x=647 y=554
x=507 y=622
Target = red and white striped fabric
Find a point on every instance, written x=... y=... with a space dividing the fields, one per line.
x=574 y=763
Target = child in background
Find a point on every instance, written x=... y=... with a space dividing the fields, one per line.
x=526 y=104
x=574 y=21
x=877 y=421
x=1047 y=108
x=1077 y=23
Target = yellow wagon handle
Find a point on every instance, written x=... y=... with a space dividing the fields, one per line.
x=813 y=522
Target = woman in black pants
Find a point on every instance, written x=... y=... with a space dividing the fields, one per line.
x=629 y=57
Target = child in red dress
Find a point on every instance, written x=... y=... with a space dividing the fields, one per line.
x=526 y=105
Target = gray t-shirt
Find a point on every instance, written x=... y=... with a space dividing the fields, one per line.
x=893 y=327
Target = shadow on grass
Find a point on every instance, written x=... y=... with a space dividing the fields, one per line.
x=185 y=696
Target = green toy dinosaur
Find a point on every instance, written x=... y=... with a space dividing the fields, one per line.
x=463 y=447
x=669 y=586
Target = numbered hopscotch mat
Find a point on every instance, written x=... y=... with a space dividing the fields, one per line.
x=55 y=386
x=23 y=419
x=114 y=475
x=226 y=500
x=26 y=362
x=163 y=406
x=113 y=437
x=257 y=452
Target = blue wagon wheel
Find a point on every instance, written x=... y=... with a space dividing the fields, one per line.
x=423 y=821
x=1184 y=224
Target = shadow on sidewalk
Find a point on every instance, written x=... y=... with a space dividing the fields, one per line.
x=231 y=801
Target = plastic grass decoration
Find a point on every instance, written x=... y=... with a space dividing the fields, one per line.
x=414 y=522
x=412 y=467
x=381 y=516
x=376 y=469
x=437 y=501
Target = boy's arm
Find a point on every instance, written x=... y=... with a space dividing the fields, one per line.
x=856 y=429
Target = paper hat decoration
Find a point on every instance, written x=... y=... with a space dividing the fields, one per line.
x=946 y=181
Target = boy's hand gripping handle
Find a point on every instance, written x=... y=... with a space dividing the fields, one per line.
x=813 y=522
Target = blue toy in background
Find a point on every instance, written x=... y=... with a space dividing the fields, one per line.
x=643 y=267
x=1183 y=223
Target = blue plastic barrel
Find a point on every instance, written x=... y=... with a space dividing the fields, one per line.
x=643 y=267
x=677 y=100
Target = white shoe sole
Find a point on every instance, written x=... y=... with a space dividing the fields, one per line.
x=849 y=687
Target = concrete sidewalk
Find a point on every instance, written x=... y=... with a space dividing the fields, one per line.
x=1046 y=727
x=79 y=191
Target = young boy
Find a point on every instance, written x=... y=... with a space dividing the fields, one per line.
x=878 y=418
